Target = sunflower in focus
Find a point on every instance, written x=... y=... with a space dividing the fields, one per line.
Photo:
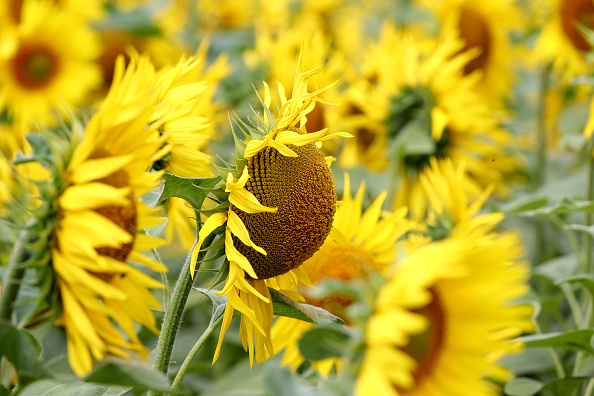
x=279 y=210
x=561 y=40
x=50 y=64
x=368 y=243
x=420 y=339
x=486 y=26
x=100 y=218
x=411 y=106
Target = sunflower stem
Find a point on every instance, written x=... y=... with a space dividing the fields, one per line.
x=174 y=313
x=589 y=217
x=164 y=280
x=556 y=361
x=541 y=157
x=186 y=364
x=14 y=273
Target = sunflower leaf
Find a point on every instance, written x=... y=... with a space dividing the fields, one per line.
x=523 y=387
x=323 y=342
x=581 y=340
x=22 y=350
x=284 y=306
x=51 y=387
x=136 y=374
x=587 y=280
x=191 y=190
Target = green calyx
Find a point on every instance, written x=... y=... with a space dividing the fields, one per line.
x=409 y=128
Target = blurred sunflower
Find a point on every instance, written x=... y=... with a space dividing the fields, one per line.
x=86 y=10
x=50 y=64
x=278 y=51
x=279 y=209
x=409 y=107
x=368 y=243
x=561 y=42
x=486 y=26
x=100 y=221
x=421 y=340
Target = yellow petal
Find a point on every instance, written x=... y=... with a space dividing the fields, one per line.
x=247 y=202
x=239 y=230
x=212 y=223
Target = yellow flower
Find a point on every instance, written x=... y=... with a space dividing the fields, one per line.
x=486 y=26
x=561 y=42
x=281 y=205
x=368 y=244
x=100 y=222
x=50 y=65
x=412 y=106
x=11 y=10
x=421 y=339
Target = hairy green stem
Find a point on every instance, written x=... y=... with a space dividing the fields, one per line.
x=12 y=280
x=186 y=364
x=175 y=310
x=164 y=280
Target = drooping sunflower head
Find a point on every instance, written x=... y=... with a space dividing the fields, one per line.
x=50 y=64
x=277 y=205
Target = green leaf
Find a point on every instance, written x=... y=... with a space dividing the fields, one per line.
x=580 y=227
x=564 y=386
x=524 y=204
x=587 y=280
x=580 y=340
x=219 y=303
x=194 y=191
x=136 y=374
x=51 y=387
x=523 y=387
x=284 y=306
x=152 y=198
x=22 y=351
x=565 y=205
x=324 y=341
x=557 y=268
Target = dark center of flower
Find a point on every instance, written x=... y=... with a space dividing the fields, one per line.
x=302 y=188
x=475 y=32
x=124 y=216
x=409 y=127
x=338 y=261
x=425 y=347
x=35 y=66
x=574 y=13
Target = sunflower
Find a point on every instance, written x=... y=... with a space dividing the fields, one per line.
x=410 y=106
x=279 y=209
x=487 y=27
x=50 y=65
x=100 y=217
x=368 y=244
x=561 y=41
x=86 y=10
x=420 y=339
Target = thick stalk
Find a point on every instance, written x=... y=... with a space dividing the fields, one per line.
x=186 y=364
x=14 y=273
x=175 y=310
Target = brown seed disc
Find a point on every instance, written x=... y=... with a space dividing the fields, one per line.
x=124 y=216
x=302 y=188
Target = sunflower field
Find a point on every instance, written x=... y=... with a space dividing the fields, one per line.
x=297 y=197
